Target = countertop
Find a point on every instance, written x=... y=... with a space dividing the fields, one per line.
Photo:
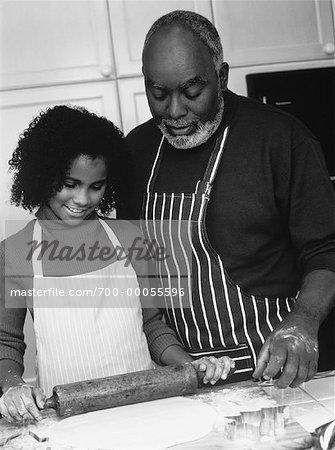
x=287 y=418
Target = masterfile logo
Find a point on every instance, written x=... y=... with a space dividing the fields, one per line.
x=151 y=262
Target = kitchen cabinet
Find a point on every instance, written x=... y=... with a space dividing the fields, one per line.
x=130 y=21
x=52 y=41
x=270 y=31
x=133 y=103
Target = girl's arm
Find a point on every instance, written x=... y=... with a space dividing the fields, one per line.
x=166 y=349
x=163 y=344
x=19 y=401
x=12 y=317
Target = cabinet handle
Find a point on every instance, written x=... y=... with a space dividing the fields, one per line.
x=106 y=71
x=329 y=48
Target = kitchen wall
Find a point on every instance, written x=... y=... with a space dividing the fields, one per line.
x=88 y=52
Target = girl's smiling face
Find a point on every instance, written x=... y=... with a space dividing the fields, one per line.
x=82 y=191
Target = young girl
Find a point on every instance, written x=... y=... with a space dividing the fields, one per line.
x=65 y=269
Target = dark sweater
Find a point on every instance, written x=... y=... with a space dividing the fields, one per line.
x=271 y=216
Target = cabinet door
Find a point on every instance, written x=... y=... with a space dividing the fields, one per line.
x=131 y=20
x=54 y=41
x=134 y=104
x=19 y=107
x=266 y=31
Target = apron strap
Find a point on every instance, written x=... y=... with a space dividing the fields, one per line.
x=111 y=235
x=204 y=186
x=155 y=167
x=37 y=262
x=113 y=238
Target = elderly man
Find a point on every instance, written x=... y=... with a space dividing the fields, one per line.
x=252 y=183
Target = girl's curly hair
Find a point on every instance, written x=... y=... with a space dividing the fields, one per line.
x=49 y=145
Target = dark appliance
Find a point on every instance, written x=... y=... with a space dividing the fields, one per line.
x=308 y=94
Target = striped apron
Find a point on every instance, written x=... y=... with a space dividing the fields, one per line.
x=214 y=316
x=80 y=338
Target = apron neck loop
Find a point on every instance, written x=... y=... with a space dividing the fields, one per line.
x=155 y=167
x=215 y=158
x=35 y=260
x=203 y=186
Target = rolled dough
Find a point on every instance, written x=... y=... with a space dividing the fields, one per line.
x=152 y=425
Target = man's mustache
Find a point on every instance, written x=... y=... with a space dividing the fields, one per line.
x=180 y=123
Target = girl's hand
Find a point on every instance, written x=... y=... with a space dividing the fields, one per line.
x=214 y=368
x=22 y=402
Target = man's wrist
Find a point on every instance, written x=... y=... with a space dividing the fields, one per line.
x=317 y=296
x=313 y=312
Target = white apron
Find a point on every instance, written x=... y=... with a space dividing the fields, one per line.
x=78 y=343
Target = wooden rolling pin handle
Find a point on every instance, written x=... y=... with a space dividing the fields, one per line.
x=50 y=403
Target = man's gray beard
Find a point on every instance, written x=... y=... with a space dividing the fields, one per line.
x=200 y=136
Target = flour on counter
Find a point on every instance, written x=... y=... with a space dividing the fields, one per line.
x=233 y=401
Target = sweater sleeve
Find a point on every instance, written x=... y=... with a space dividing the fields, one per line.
x=312 y=209
x=159 y=335
x=12 y=344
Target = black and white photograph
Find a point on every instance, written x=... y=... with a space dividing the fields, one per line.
x=167 y=224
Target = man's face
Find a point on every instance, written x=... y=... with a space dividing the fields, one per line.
x=184 y=90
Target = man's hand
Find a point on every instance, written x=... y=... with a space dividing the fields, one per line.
x=293 y=348
x=22 y=402
x=214 y=368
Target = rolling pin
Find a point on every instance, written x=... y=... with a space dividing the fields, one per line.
x=125 y=389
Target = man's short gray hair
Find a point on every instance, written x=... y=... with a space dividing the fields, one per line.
x=198 y=25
